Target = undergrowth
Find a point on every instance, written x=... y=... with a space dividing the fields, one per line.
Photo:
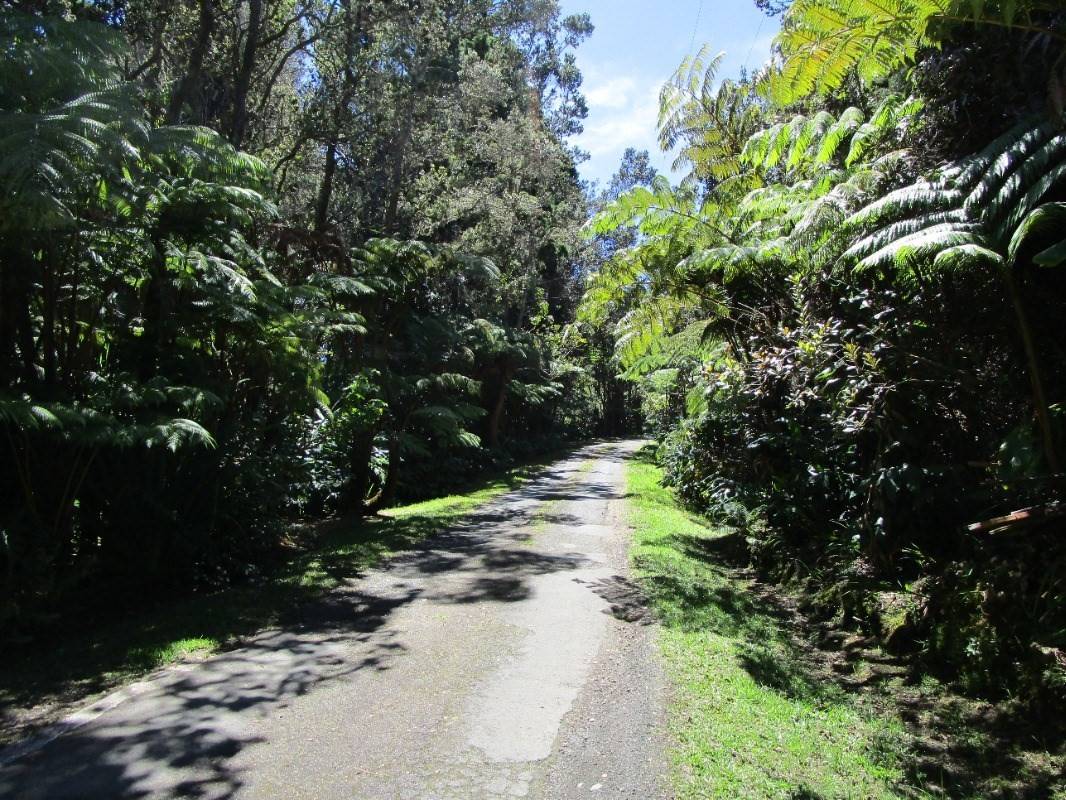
x=770 y=704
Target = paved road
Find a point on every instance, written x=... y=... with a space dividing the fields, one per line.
x=507 y=658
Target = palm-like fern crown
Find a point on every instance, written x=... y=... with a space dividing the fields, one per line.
x=810 y=173
x=711 y=124
x=818 y=170
x=63 y=109
x=807 y=146
x=982 y=209
x=822 y=41
x=77 y=156
x=47 y=58
x=67 y=117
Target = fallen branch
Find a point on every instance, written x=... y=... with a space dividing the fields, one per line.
x=1021 y=518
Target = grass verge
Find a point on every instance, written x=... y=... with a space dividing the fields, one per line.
x=40 y=683
x=749 y=719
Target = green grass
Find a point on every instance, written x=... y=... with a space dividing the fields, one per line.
x=749 y=718
x=65 y=668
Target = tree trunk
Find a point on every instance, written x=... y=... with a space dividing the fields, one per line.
x=10 y=301
x=387 y=495
x=239 y=124
x=156 y=313
x=399 y=158
x=325 y=189
x=24 y=328
x=195 y=67
x=359 y=464
x=495 y=418
x=17 y=342
x=1036 y=382
x=48 y=321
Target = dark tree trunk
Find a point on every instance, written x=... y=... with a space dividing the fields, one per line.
x=399 y=158
x=48 y=323
x=11 y=299
x=325 y=189
x=239 y=124
x=494 y=421
x=359 y=464
x=1036 y=382
x=190 y=80
x=353 y=24
x=156 y=314
x=23 y=324
x=387 y=494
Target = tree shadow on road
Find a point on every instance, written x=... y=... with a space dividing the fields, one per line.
x=185 y=732
x=72 y=661
x=626 y=599
x=179 y=733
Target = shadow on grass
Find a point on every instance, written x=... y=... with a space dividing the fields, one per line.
x=646 y=455
x=955 y=746
x=969 y=749
x=711 y=598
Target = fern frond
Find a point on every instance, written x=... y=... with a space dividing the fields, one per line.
x=822 y=41
x=966 y=256
x=990 y=202
x=922 y=245
x=1048 y=218
x=841 y=130
x=883 y=237
x=642 y=330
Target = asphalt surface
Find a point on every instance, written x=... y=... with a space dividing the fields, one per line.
x=510 y=657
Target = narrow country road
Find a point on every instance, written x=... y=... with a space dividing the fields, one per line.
x=507 y=658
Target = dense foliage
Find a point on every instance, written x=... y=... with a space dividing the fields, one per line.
x=270 y=258
x=843 y=321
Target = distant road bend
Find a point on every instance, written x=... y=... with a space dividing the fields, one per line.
x=506 y=658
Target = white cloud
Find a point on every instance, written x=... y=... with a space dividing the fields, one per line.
x=628 y=118
x=624 y=111
x=613 y=93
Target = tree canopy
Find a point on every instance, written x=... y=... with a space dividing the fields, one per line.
x=271 y=259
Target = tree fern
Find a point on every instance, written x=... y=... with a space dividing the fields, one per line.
x=643 y=331
x=783 y=193
x=64 y=109
x=822 y=41
x=806 y=145
x=88 y=427
x=709 y=123
x=991 y=200
x=984 y=212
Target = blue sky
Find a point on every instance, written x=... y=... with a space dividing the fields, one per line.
x=636 y=47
